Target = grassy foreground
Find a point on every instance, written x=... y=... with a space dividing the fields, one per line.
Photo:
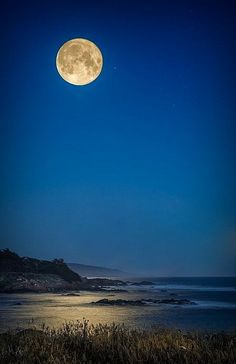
x=83 y=343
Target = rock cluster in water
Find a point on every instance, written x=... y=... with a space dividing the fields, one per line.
x=141 y=302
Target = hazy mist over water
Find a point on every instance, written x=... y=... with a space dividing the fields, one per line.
x=215 y=307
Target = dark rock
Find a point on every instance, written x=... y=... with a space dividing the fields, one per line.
x=120 y=302
x=142 y=283
x=104 y=282
x=16 y=282
x=172 y=301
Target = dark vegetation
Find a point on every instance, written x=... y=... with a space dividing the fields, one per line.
x=24 y=274
x=11 y=262
x=115 y=344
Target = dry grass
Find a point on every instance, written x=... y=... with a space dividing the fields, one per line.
x=83 y=343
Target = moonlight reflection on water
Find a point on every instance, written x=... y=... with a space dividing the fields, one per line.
x=25 y=310
x=54 y=309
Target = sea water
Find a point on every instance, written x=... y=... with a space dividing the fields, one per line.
x=214 y=309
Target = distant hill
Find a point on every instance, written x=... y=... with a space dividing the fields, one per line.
x=12 y=262
x=24 y=274
x=95 y=271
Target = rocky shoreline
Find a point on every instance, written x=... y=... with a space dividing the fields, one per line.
x=23 y=282
x=18 y=282
x=24 y=274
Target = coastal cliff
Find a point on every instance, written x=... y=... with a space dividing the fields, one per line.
x=24 y=274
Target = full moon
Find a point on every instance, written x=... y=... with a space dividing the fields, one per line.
x=79 y=61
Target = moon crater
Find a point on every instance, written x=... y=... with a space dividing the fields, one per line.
x=79 y=61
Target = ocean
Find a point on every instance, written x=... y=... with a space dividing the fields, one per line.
x=214 y=309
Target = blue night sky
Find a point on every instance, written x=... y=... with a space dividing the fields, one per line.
x=136 y=170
